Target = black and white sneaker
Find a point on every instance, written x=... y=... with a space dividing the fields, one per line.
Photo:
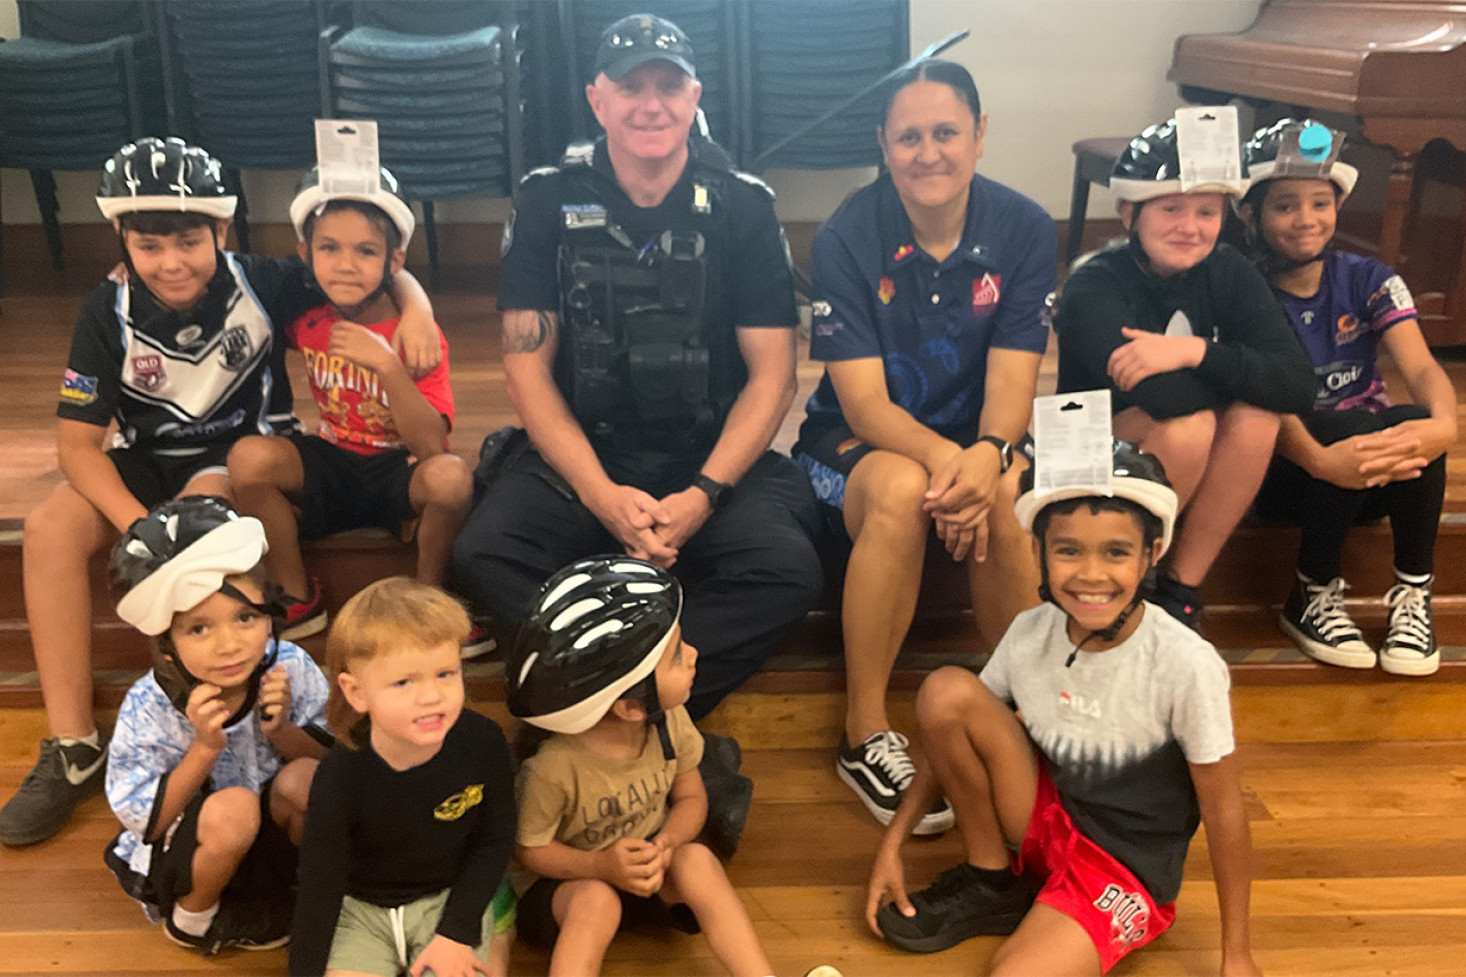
x=960 y=904
x=879 y=770
x=1181 y=601
x=1410 y=647
x=1314 y=617
x=66 y=773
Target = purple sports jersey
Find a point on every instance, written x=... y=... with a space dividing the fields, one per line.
x=1358 y=299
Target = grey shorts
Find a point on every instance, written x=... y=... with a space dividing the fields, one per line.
x=376 y=940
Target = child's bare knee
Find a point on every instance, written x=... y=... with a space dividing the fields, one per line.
x=229 y=819
x=443 y=480
x=948 y=695
x=591 y=900
x=694 y=861
x=292 y=785
x=65 y=523
x=255 y=460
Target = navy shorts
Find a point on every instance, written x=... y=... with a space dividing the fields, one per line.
x=344 y=490
x=536 y=920
x=154 y=478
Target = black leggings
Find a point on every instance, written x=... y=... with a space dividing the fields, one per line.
x=1326 y=512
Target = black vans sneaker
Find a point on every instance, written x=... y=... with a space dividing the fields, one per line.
x=879 y=770
x=1410 y=647
x=1315 y=618
x=1181 y=601
x=959 y=905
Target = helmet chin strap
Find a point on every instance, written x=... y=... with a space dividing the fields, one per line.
x=656 y=716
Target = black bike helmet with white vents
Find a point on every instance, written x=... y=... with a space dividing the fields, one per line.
x=310 y=197
x=1150 y=167
x=595 y=632
x=176 y=556
x=1298 y=148
x=163 y=175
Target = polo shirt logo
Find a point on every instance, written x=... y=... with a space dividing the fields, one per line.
x=903 y=251
x=986 y=292
x=887 y=291
x=459 y=804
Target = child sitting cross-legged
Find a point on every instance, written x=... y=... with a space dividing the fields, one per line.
x=215 y=748
x=610 y=803
x=380 y=455
x=412 y=814
x=1123 y=745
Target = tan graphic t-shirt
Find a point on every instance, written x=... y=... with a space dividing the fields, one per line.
x=581 y=799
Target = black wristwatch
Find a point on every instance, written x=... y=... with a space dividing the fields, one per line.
x=716 y=491
x=1005 y=452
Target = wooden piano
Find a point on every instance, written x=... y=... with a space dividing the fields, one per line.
x=1398 y=67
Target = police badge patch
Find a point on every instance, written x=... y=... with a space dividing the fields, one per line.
x=583 y=215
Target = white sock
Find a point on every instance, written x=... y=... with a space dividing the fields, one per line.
x=1414 y=579
x=90 y=740
x=194 y=924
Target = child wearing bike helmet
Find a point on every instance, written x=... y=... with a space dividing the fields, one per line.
x=380 y=455
x=1199 y=358
x=1124 y=744
x=412 y=814
x=1355 y=455
x=215 y=747
x=610 y=804
x=183 y=354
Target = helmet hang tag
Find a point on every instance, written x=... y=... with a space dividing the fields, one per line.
x=1307 y=151
x=346 y=152
x=1073 y=442
x=1208 y=147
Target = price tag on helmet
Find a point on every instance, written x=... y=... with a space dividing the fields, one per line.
x=1207 y=144
x=346 y=151
x=1307 y=151
x=1072 y=443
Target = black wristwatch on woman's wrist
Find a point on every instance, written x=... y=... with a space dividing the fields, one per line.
x=716 y=491
x=1005 y=452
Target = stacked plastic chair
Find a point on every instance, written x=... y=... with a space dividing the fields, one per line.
x=708 y=24
x=83 y=78
x=792 y=81
x=245 y=84
x=441 y=80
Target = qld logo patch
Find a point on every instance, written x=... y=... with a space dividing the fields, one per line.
x=78 y=389
x=986 y=293
x=887 y=291
x=147 y=372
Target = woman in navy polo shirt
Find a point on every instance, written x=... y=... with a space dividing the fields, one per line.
x=929 y=290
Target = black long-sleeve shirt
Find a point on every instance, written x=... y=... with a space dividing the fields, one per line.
x=389 y=837
x=1252 y=355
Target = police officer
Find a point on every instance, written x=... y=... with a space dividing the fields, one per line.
x=648 y=315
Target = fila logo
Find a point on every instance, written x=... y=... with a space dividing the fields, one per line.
x=1081 y=705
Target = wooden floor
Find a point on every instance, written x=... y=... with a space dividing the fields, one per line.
x=1360 y=861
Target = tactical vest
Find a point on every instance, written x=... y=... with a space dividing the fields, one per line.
x=632 y=310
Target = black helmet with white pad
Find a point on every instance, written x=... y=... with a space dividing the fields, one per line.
x=163 y=175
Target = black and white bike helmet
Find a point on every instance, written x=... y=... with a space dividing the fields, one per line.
x=163 y=175
x=594 y=634
x=1298 y=148
x=310 y=197
x=1150 y=167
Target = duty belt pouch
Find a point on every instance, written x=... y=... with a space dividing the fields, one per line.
x=669 y=376
x=500 y=450
x=683 y=272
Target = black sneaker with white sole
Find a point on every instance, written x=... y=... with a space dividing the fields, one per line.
x=1315 y=618
x=1410 y=647
x=879 y=770
x=1181 y=601
x=962 y=903
x=65 y=774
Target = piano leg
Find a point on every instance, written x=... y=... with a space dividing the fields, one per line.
x=1397 y=208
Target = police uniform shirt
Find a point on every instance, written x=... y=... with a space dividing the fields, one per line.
x=1357 y=301
x=1117 y=728
x=878 y=295
x=179 y=382
x=1252 y=353
x=749 y=281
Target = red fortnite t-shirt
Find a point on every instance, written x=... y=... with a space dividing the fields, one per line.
x=355 y=414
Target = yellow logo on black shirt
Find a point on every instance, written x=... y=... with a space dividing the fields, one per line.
x=458 y=805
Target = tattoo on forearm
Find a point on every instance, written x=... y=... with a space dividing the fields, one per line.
x=523 y=334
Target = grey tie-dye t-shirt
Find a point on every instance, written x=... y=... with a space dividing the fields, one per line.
x=1117 y=729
